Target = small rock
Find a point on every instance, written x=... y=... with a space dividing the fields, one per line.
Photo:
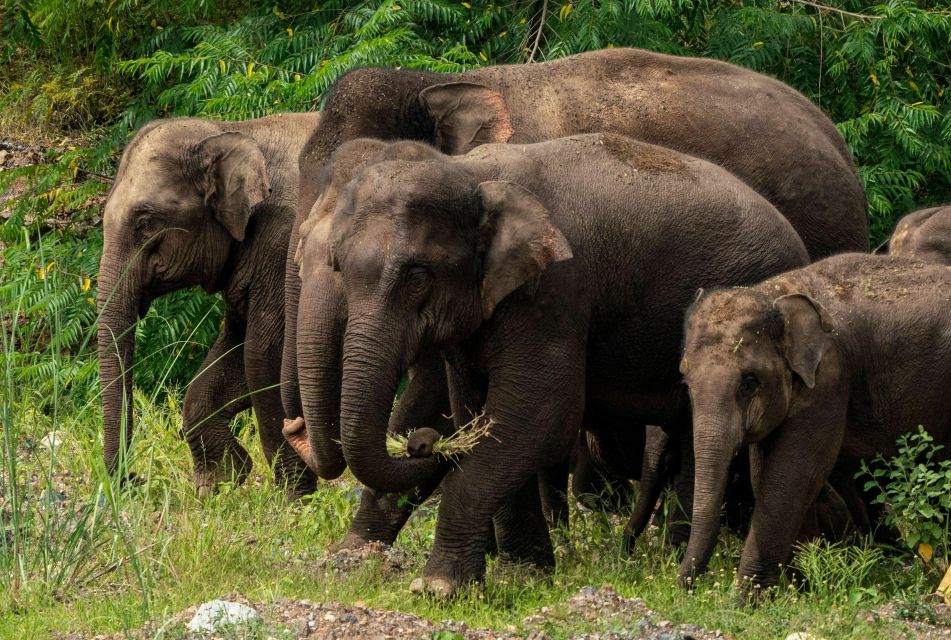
x=801 y=635
x=215 y=614
x=51 y=441
x=3 y=156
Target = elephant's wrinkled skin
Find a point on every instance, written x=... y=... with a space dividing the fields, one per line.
x=816 y=368
x=209 y=204
x=761 y=130
x=925 y=235
x=553 y=277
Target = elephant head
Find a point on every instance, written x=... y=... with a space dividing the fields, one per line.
x=444 y=110
x=748 y=357
x=322 y=309
x=925 y=235
x=426 y=254
x=181 y=202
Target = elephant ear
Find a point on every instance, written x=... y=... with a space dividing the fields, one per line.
x=233 y=177
x=467 y=115
x=518 y=240
x=805 y=338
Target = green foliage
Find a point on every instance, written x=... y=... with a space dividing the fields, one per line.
x=914 y=486
x=840 y=572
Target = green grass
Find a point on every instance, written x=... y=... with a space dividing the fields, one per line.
x=113 y=557
x=81 y=554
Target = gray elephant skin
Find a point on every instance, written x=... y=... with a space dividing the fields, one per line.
x=731 y=116
x=553 y=278
x=210 y=204
x=814 y=369
x=924 y=234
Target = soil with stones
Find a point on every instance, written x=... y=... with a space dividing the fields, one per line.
x=602 y=608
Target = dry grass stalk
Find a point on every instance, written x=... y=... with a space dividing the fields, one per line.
x=452 y=447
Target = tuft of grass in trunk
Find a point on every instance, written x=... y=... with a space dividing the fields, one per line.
x=451 y=447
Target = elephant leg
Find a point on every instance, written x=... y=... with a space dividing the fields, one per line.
x=609 y=453
x=521 y=530
x=678 y=519
x=381 y=516
x=262 y=360
x=788 y=470
x=843 y=482
x=535 y=420
x=553 y=489
x=216 y=395
x=660 y=458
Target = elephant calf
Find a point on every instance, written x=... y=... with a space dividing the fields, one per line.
x=816 y=368
x=210 y=204
x=924 y=234
x=553 y=278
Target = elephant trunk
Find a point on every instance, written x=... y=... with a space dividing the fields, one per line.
x=119 y=306
x=716 y=441
x=321 y=324
x=372 y=371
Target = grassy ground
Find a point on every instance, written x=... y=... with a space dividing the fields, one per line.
x=82 y=555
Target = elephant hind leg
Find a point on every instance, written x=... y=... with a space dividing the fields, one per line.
x=216 y=395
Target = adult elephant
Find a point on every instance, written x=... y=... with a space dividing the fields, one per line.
x=553 y=278
x=760 y=129
x=210 y=204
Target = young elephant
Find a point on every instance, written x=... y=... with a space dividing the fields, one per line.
x=210 y=204
x=924 y=234
x=553 y=277
x=815 y=368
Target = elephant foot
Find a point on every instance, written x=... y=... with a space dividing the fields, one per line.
x=235 y=467
x=352 y=541
x=440 y=588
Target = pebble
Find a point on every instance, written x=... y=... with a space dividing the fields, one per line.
x=51 y=441
x=215 y=614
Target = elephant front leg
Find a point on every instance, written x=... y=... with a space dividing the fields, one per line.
x=216 y=395
x=534 y=421
x=788 y=470
x=521 y=530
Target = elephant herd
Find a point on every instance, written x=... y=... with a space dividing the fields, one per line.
x=622 y=264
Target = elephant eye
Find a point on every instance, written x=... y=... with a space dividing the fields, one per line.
x=145 y=225
x=418 y=281
x=749 y=383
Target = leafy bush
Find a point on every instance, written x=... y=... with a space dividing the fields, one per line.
x=914 y=486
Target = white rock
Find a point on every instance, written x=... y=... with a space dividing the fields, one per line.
x=802 y=635
x=217 y=613
x=51 y=441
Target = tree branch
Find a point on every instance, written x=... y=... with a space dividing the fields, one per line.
x=822 y=7
x=538 y=32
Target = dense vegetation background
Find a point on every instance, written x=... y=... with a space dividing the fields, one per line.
x=79 y=76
